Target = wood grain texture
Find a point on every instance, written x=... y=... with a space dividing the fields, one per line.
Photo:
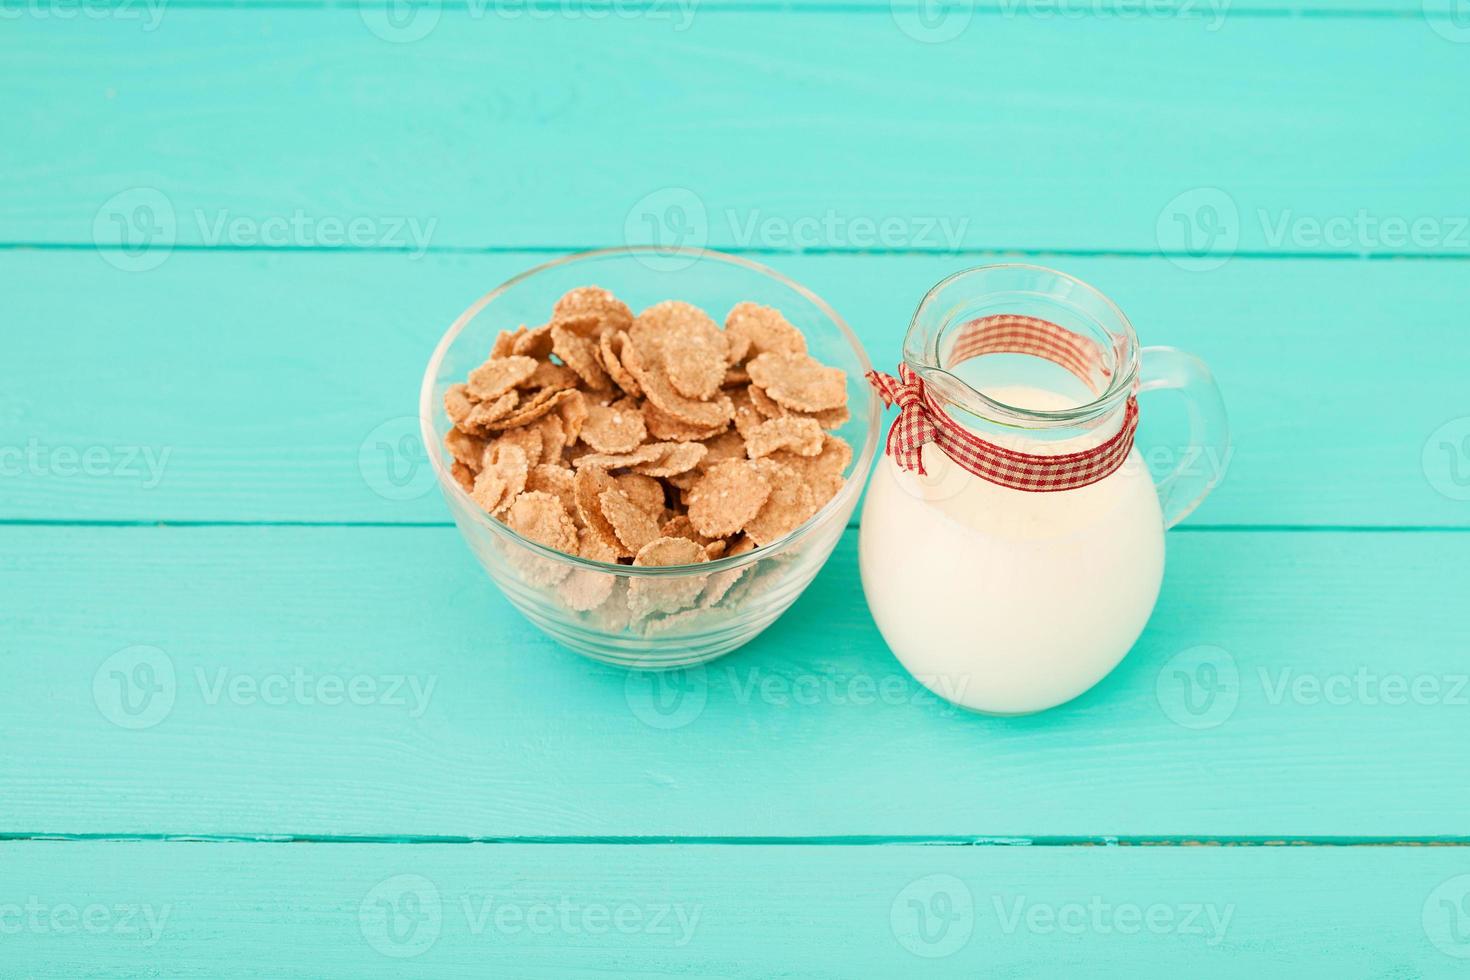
x=292 y=201
x=742 y=119
x=1015 y=9
x=253 y=387
x=1289 y=686
x=288 y=911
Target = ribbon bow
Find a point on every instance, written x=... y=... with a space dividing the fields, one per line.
x=922 y=420
x=913 y=428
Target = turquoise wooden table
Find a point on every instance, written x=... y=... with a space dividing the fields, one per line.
x=262 y=714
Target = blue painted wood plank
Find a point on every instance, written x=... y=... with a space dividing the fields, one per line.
x=251 y=387
x=1136 y=135
x=121 y=909
x=1290 y=685
x=1052 y=10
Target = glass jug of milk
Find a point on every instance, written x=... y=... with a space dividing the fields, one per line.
x=1010 y=601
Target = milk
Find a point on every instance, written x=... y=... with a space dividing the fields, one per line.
x=1006 y=601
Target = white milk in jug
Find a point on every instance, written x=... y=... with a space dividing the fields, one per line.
x=1007 y=601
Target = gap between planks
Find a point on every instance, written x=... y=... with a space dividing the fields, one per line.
x=832 y=841
x=851 y=526
x=997 y=251
x=796 y=7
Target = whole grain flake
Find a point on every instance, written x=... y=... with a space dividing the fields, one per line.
x=657 y=439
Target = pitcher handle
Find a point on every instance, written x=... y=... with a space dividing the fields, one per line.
x=1204 y=461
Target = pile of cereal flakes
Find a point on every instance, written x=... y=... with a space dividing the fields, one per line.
x=659 y=439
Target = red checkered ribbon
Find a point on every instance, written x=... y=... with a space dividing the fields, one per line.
x=921 y=419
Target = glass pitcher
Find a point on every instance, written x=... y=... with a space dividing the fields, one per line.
x=1008 y=600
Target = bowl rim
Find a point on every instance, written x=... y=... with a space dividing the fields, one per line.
x=852 y=484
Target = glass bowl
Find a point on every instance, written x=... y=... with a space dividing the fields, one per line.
x=716 y=606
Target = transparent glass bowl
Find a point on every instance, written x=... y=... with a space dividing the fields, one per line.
x=719 y=605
